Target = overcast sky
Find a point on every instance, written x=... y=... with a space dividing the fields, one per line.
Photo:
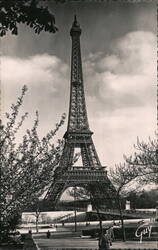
x=118 y=44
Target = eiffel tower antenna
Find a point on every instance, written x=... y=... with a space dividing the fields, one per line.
x=75 y=18
x=92 y=174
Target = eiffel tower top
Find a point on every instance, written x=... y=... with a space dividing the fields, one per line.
x=77 y=121
x=75 y=27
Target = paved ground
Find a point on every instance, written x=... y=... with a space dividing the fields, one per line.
x=10 y=248
x=90 y=243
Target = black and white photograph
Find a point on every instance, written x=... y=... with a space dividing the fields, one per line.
x=78 y=125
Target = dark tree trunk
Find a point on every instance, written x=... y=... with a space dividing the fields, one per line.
x=95 y=204
x=100 y=220
x=121 y=218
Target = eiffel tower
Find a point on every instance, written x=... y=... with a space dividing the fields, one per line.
x=92 y=175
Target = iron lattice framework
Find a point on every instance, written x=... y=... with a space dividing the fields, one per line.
x=91 y=175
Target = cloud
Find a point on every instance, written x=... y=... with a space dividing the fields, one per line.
x=123 y=77
x=46 y=77
x=116 y=133
x=122 y=94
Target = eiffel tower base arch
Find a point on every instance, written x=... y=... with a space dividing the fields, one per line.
x=95 y=182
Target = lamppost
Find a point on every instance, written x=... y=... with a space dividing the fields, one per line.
x=75 y=208
x=156 y=217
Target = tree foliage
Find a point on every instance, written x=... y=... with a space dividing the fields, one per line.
x=143 y=198
x=26 y=168
x=145 y=161
x=142 y=167
x=122 y=176
x=34 y=13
